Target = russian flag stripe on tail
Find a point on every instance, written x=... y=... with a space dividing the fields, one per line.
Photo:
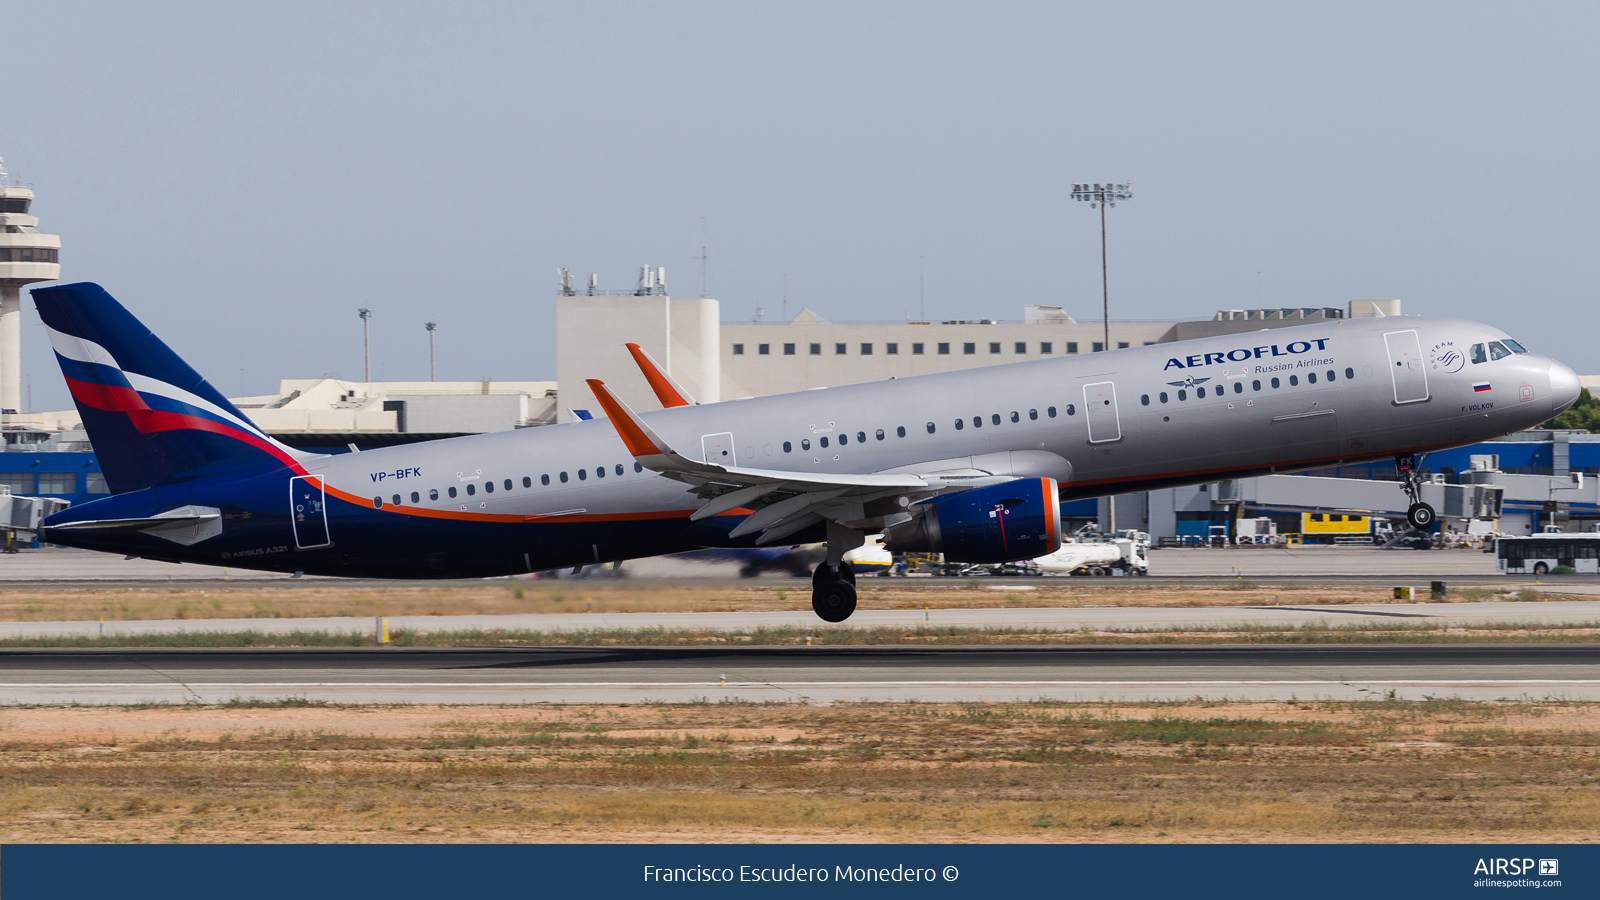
x=151 y=418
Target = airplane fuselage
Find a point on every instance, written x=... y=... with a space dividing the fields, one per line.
x=1277 y=400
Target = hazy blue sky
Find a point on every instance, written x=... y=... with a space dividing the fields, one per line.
x=243 y=176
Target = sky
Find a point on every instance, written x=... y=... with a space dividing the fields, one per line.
x=245 y=176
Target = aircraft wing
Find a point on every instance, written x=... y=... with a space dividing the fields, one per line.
x=784 y=502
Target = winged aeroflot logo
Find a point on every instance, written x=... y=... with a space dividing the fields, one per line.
x=1189 y=382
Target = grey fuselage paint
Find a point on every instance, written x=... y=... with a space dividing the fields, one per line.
x=1137 y=441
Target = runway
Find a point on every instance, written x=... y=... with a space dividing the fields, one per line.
x=1105 y=618
x=791 y=674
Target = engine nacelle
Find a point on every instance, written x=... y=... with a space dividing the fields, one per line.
x=1000 y=523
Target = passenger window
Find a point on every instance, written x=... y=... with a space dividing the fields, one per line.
x=600 y=472
x=1073 y=410
x=788 y=447
x=416 y=497
x=1238 y=387
x=1163 y=396
x=452 y=492
x=823 y=441
x=1350 y=374
x=1051 y=411
x=1033 y=414
x=960 y=424
x=1274 y=384
x=637 y=467
x=1515 y=347
x=1332 y=375
x=900 y=431
x=619 y=470
x=544 y=479
x=396 y=499
x=1255 y=385
x=471 y=489
x=1294 y=380
x=1311 y=378
x=861 y=436
x=879 y=434
x=508 y=484
x=995 y=418
x=1478 y=353
x=433 y=494
x=1016 y=416
x=1498 y=350
x=563 y=477
x=805 y=444
x=930 y=428
x=844 y=439
x=377 y=503
x=1144 y=399
x=977 y=421
x=527 y=482
x=583 y=475
x=1182 y=395
x=1200 y=393
x=488 y=486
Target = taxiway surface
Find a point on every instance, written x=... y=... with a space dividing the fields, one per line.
x=821 y=674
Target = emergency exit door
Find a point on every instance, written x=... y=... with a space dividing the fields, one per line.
x=308 y=512
x=1407 y=367
x=1100 y=410
x=718 y=449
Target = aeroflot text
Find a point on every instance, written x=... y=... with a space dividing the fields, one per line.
x=1244 y=353
x=791 y=874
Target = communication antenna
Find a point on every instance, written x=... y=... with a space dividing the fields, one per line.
x=594 y=283
x=566 y=282
x=661 y=279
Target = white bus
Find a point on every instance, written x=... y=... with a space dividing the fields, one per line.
x=1537 y=554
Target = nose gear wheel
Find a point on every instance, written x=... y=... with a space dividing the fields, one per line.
x=1420 y=516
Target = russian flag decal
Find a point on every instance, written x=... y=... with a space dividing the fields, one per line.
x=1480 y=387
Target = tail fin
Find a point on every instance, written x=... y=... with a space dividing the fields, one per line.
x=151 y=418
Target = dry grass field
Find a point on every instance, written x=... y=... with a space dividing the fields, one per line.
x=256 y=600
x=1434 y=771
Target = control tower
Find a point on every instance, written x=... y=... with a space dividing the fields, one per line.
x=25 y=256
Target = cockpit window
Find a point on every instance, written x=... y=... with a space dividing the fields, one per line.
x=1515 y=347
x=1498 y=350
x=1479 y=353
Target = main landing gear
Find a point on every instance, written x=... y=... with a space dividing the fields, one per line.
x=1420 y=516
x=833 y=584
x=833 y=591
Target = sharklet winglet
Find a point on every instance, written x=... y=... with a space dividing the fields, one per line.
x=668 y=391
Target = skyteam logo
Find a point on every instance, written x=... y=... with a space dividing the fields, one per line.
x=1445 y=357
x=1189 y=382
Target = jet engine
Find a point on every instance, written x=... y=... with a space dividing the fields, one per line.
x=1018 y=519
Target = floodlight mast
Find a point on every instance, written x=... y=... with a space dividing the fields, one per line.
x=366 y=339
x=1103 y=195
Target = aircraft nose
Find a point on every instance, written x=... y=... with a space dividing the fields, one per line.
x=1564 y=387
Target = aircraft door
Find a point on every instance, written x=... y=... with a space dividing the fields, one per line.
x=1100 y=409
x=1407 y=366
x=308 y=511
x=717 y=449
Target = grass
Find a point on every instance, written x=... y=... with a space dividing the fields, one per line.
x=818 y=635
x=1447 y=770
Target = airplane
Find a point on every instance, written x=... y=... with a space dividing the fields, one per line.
x=972 y=464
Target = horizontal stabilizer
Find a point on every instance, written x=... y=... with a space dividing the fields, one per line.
x=185 y=525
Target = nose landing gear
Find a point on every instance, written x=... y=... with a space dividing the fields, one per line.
x=1420 y=516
